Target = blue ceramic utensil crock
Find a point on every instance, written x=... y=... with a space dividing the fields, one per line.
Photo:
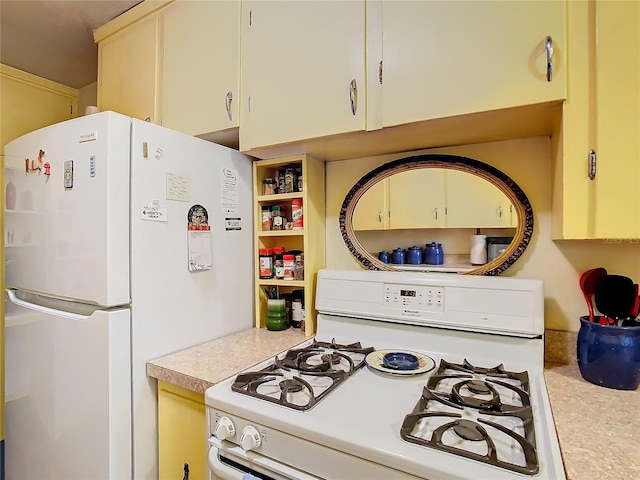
x=609 y=355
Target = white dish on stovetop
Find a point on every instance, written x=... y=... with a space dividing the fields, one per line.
x=375 y=361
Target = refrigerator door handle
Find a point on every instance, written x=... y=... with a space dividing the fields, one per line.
x=13 y=298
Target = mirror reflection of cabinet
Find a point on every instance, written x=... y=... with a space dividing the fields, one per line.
x=417 y=199
x=475 y=195
x=433 y=198
x=373 y=208
x=473 y=202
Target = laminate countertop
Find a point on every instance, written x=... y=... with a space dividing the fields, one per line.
x=598 y=428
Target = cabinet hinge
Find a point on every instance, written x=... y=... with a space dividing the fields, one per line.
x=380 y=72
x=592 y=164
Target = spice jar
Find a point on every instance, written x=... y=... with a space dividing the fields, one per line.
x=267 y=219
x=288 y=180
x=296 y=214
x=289 y=262
x=276 y=218
x=278 y=262
x=268 y=186
x=298 y=268
x=265 y=256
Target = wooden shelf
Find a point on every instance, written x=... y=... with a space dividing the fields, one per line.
x=310 y=240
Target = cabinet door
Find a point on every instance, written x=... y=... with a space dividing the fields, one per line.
x=617 y=114
x=426 y=208
x=28 y=106
x=372 y=210
x=445 y=58
x=127 y=70
x=302 y=70
x=200 y=66
x=489 y=207
x=602 y=114
x=182 y=430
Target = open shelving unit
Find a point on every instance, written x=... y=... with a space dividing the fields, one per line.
x=310 y=239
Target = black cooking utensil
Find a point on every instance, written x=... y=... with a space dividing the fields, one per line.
x=615 y=296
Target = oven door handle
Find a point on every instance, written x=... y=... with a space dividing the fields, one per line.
x=252 y=462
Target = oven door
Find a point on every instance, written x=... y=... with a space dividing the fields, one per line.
x=230 y=462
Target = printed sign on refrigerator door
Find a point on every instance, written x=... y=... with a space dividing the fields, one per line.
x=199 y=239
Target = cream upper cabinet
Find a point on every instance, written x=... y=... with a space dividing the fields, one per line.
x=446 y=58
x=597 y=151
x=29 y=102
x=303 y=70
x=372 y=210
x=417 y=199
x=127 y=69
x=200 y=65
x=473 y=202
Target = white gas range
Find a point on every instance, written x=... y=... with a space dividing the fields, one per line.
x=475 y=406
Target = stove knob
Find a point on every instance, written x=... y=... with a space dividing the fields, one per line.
x=224 y=428
x=250 y=438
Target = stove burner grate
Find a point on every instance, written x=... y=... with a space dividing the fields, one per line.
x=295 y=371
x=474 y=393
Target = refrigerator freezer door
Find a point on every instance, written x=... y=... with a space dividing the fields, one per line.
x=174 y=308
x=67 y=389
x=67 y=235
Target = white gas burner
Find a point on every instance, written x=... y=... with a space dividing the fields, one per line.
x=484 y=334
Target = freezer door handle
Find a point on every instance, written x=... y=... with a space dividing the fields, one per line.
x=13 y=298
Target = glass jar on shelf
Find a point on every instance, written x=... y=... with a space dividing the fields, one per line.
x=298 y=267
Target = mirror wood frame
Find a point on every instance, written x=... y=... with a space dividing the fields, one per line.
x=521 y=204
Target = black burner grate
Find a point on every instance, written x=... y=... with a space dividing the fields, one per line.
x=475 y=391
x=297 y=369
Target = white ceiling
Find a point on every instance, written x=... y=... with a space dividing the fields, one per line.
x=54 y=39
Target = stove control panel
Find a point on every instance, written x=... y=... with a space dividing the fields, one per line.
x=421 y=298
x=224 y=429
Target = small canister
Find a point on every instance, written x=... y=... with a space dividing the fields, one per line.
x=288 y=180
x=414 y=255
x=289 y=264
x=297 y=308
x=267 y=218
x=296 y=214
x=268 y=186
x=397 y=256
x=266 y=263
x=383 y=256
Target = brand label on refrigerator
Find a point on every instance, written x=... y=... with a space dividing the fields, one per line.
x=88 y=136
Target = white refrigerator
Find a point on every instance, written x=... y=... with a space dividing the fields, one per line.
x=124 y=242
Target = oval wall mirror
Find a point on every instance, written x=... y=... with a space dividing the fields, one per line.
x=437 y=198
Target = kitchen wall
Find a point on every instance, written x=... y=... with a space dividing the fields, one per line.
x=87 y=95
x=558 y=263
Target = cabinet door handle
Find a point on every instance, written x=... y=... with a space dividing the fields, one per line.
x=592 y=164
x=228 y=99
x=353 y=96
x=379 y=217
x=435 y=213
x=549 y=49
x=500 y=211
x=186 y=472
